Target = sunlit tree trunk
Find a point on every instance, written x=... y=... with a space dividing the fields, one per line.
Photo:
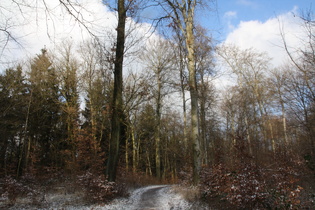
x=127 y=153
x=148 y=167
x=134 y=151
x=193 y=95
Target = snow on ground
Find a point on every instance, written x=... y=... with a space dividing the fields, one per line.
x=156 y=197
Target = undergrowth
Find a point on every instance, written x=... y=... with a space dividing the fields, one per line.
x=245 y=184
x=41 y=191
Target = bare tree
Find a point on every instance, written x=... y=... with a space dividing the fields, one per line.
x=181 y=65
x=136 y=92
x=278 y=80
x=301 y=87
x=182 y=14
x=250 y=66
x=123 y=7
x=159 y=58
x=204 y=70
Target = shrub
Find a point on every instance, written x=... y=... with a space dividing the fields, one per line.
x=253 y=187
x=97 y=188
x=11 y=188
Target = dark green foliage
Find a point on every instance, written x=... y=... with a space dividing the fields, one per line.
x=14 y=95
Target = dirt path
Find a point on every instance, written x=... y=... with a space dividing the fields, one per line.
x=159 y=197
x=151 y=198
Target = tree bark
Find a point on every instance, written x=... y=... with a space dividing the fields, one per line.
x=182 y=85
x=203 y=141
x=158 y=126
x=134 y=151
x=117 y=115
x=183 y=14
x=193 y=95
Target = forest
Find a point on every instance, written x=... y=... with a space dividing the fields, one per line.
x=98 y=118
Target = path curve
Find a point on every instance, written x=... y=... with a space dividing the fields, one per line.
x=156 y=197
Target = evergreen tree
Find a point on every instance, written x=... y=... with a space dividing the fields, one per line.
x=44 y=122
x=13 y=107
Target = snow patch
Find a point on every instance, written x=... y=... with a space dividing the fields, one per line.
x=164 y=198
x=156 y=197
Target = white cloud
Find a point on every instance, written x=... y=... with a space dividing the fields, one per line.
x=265 y=36
x=50 y=23
x=230 y=14
x=39 y=25
x=247 y=3
x=228 y=17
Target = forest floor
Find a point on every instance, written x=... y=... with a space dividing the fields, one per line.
x=154 y=197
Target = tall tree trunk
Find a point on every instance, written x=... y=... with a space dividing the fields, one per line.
x=158 y=127
x=148 y=165
x=117 y=115
x=249 y=141
x=28 y=146
x=3 y=150
x=134 y=151
x=25 y=131
x=182 y=84
x=184 y=17
x=127 y=154
x=204 y=144
x=193 y=96
x=284 y=122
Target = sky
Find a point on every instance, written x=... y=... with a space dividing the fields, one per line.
x=246 y=23
x=230 y=13
x=256 y=24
